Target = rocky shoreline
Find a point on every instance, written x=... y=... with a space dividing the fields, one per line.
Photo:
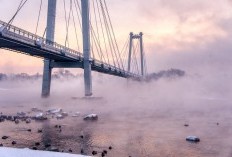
x=38 y=115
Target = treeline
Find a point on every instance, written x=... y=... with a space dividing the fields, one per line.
x=60 y=74
x=66 y=74
x=170 y=74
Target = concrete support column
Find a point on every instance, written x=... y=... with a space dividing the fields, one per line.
x=50 y=33
x=86 y=47
x=47 y=71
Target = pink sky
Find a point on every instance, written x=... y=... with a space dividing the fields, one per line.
x=177 y=33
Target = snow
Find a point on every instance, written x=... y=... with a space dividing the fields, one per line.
x=15 y=152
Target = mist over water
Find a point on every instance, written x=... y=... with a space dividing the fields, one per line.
x=137 y=119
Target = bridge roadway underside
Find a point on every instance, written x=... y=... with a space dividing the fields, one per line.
x=58 y=60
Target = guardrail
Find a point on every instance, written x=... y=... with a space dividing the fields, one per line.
x=20 y=34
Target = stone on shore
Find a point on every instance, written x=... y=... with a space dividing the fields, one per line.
x=41 y=116
x=91 y=117
x=193 y=139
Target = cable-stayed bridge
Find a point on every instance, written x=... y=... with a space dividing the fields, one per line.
x=59 y=56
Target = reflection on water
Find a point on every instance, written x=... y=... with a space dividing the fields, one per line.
x=142 y=123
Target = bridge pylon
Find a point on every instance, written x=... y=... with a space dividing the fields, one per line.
x=86 y=47
x=50 y=33
x=142 y=57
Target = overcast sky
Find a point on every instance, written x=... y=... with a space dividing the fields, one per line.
x=185 y=34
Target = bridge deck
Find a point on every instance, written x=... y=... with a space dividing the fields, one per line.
x=17 y=39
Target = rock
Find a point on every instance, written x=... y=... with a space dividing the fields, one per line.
x=186 y=125
x=11 y=118
x=21 y=114
x=28 y=120
x=65 y=114
x=1 y=145
x=94 y=152
x=54 y=111
x=102 y=154
x=110 y=148
x=47 y=145
x=2 y=119
x=14 y=142
x=34 y=148
x=82 y=151
x=70 y=150
x=82 y=136
x=57 y=126
x=16 y=121
x=105 y=151
x=59 y=116
x=29 y=130
x=37 y=143
x=193 y=139
x=15 y=117
x=5 y=137
x=4 y=116
x=40 y=130
x=91 y=117
x=217 y=123
x=41 y=116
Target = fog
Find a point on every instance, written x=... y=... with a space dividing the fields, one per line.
x=140 y=118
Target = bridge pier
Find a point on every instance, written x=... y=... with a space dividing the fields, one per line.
x=50 y=33
x=47 y=73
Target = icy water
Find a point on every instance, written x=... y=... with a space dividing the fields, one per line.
x=145 y=120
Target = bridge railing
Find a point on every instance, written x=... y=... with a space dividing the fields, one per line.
x=114 y=68
x=19 y=31
x=35 y=39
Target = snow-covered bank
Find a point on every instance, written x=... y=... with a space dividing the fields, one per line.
x=14 y=152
